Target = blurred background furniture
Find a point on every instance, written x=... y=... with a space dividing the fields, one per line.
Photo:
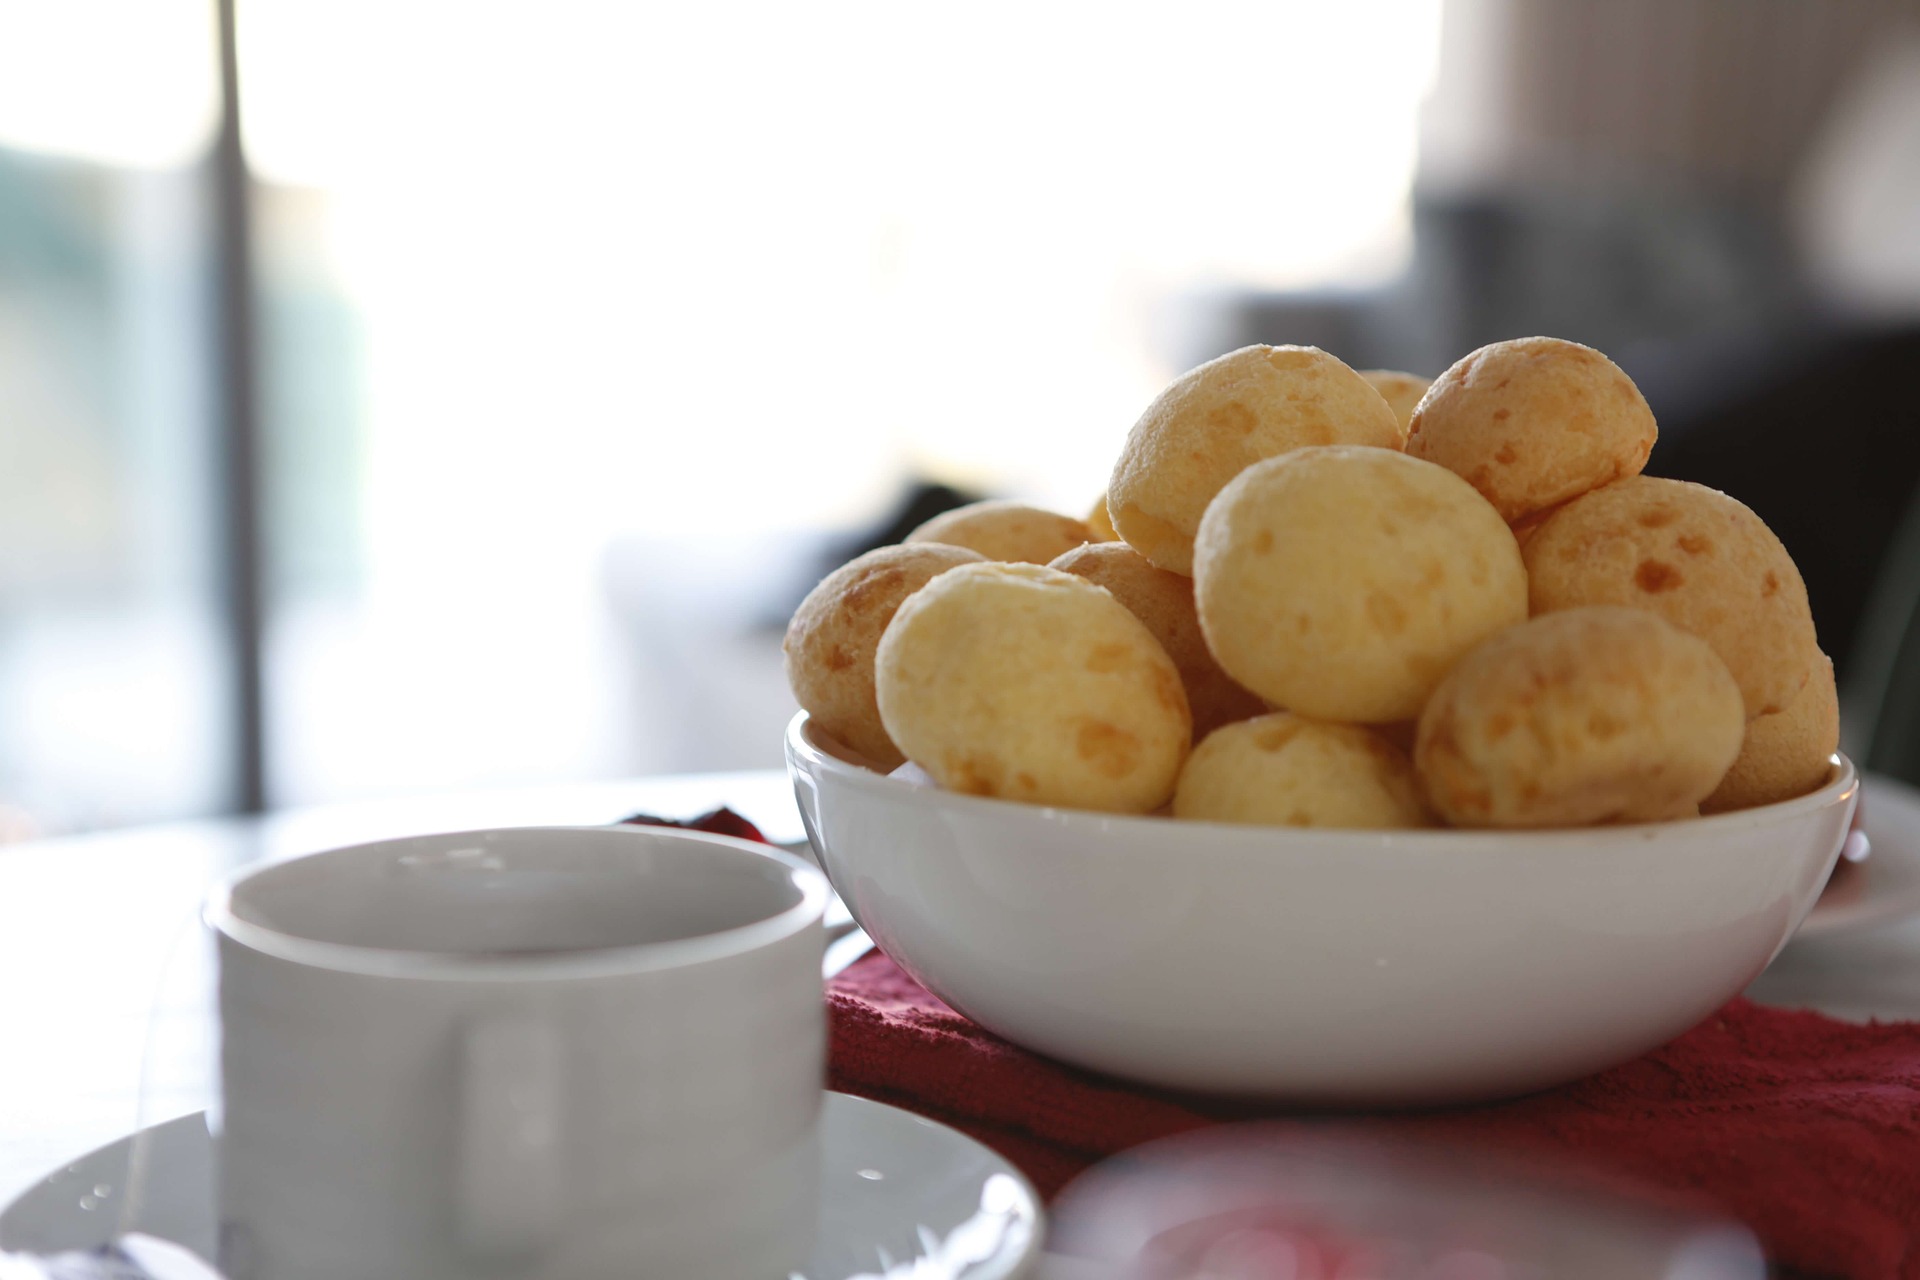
x=1880 y=713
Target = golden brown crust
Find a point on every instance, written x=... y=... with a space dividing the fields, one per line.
x=1534 y=422
x=1787 y=753
x=831 y=640
x=1215 y=421
x=1696 y=557
x=1164 y=602
x=1283 y=770
x=1010 y=532
x=1342 y=582
x=1026 y=683
x=1588 y=716
x=1401 y=391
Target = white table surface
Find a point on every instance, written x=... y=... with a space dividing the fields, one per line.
x=106 y=978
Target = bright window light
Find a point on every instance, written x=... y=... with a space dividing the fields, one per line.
x=128 y=83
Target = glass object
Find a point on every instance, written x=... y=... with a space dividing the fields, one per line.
x=1259 y=1202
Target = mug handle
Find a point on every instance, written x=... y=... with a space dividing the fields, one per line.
x=508 y=1131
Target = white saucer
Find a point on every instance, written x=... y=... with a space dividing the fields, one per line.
x=1886 y=887
x=901 y=1197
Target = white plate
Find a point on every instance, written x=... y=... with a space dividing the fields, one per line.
x=901 y=1197
x=1886 y=887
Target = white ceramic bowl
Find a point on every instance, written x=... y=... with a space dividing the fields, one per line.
x=1337 y=967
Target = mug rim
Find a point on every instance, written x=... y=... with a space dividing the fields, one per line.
x=219 y=916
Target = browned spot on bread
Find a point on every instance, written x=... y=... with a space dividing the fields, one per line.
x=1603 y=726
x=1438 y=740
x=872 y=588
x=1110 y=750
x=1770 y=584
x=1299 y=818
x=1233 y=416
x=974 y=775
x=838 y=659
x=1026 y=781
x=1656 y=576
x=1658 y=518
x=1499 y=725
x=1386 y=613
x=1380 y=749
x=1168 y=691
x=1505 y=455
x=1529 y=791
x=1302 y=623
x=1694 y=544
x=1501 y=415
x=1275 y=736
x=1474 y=802
x=1108 y=658
x=1263 y=542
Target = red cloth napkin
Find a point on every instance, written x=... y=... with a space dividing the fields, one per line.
x=1805 y=1128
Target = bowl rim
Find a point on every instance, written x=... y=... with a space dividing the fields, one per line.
x=806 y=755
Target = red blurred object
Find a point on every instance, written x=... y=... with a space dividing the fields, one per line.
x=719 y=822
x=1805 y=1128
x=1268 y=1202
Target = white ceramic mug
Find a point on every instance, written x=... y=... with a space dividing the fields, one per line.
x=550 y=1053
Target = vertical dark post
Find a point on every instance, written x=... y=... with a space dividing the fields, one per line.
x=238 y=438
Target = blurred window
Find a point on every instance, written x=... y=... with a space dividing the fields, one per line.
x=613 y=307
x=584 y=327
x=111 y=652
